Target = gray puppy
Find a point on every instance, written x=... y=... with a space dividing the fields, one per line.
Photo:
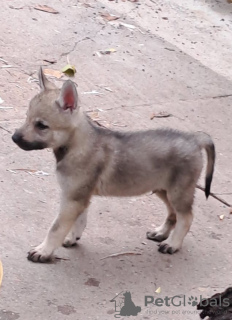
x=92 y=160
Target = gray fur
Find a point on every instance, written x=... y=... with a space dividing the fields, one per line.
x=92 y=160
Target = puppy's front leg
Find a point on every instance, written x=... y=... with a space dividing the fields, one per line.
x=69 y=212
x=76 y=231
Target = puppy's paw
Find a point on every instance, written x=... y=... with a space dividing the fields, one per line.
x=156 y=236
x=165 y=247
x=40 y=254
x=70 y=242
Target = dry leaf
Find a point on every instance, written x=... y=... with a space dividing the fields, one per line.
x=1 y=273
x=230 y=210
x=46 y=9
x=222 y=216
x=94 y=116
x=202 y=289
x=109 y=17
x=158 y=290
x=108 y=51
x=87 y=5
x=53 y=73
x=69 y=70
x=162 y=114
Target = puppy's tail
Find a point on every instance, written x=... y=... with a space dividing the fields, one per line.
x=206 y=143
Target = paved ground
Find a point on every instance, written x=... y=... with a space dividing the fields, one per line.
x=175 y=58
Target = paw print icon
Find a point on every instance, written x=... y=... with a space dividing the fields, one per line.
x=192 y=301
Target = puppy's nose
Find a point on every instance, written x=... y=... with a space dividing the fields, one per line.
x=17 y=136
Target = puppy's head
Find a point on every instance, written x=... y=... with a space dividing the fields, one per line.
x=50 y=118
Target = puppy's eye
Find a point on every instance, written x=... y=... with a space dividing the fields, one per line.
x=40 y=125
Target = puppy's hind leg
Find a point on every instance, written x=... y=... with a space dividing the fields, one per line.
x=162 y=233
x=76 y=230
x=182 y=203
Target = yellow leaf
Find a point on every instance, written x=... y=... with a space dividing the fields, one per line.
x=69 y=70
x=1 y=273
x=108 y=51
x=158 y=290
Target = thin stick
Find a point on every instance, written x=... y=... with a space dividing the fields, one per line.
x=223 y=193
x=5 y=129
x=214 y=196
x=65 y=259
x=122 y=254
x=99 y=124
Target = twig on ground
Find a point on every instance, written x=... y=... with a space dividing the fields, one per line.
x=215 y=197
x=223 y=193
x=65 y=259
x=99 y=124
x=122 y=254
x=1 y=127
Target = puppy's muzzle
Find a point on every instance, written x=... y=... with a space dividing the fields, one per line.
x=27 y=145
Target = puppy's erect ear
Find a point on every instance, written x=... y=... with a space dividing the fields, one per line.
x=44 y=83
x=68 y=98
